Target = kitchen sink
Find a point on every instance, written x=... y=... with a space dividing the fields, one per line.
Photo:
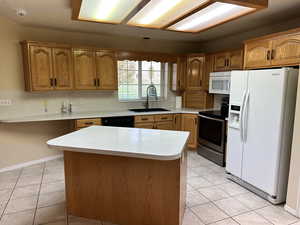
x=149 y=110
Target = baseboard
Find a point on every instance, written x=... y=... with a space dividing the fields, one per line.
x=290 y=210
x=30 y=163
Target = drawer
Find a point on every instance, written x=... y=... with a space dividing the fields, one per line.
x=149 y=125
x=163 y=117
x=87 y=122
x=143 y=119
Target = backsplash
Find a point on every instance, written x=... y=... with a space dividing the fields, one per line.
x=28 y=104
x=218 y=100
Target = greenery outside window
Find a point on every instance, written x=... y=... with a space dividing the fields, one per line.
x=135 y=76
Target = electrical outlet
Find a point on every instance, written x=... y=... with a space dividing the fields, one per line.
x=5 y=102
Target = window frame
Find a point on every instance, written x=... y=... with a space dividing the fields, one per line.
x=163 y=79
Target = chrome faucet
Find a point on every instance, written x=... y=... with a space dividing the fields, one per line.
x=151 y=92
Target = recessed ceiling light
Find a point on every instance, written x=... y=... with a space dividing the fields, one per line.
x=158 y=13
x=109 y=11
x=212 y=15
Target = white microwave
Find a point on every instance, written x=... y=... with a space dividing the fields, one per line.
x=219 y=83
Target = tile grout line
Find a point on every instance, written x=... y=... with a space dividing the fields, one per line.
x=20 y=173
x=38 y=197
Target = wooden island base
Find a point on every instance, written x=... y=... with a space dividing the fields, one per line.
x=125 y=190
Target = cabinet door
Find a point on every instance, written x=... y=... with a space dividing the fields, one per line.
x=181 y=72
x=167 y=125
x=177 y=122
x=257 y=54
x=145 y=125
x=220 y=63
x=63 y=68
x=190 y=123
x=235 y=59
x=195 y=99
x=84 y=69
x=195 y=72
x=41 y=68
x=106 y=67
x=286 y=50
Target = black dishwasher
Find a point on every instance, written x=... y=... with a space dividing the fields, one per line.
x=118 y=121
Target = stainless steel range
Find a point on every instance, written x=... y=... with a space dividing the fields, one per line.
x=212 y=136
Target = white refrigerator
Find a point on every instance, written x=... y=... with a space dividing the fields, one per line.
x=260 y=128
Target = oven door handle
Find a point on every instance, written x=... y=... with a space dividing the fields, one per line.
x=210 y=118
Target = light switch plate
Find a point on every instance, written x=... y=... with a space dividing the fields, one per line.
x=5 y=102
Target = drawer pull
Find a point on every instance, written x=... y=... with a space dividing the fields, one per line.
x=89 y=123
x=144 y=118
x=164 y=118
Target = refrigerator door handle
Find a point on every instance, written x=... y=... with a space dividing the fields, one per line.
x=245 y=116
x=241 y=116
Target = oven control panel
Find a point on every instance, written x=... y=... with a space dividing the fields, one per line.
x=234 y=119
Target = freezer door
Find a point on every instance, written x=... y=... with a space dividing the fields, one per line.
x=238 y=86
x=234 y=153
x=264 y=111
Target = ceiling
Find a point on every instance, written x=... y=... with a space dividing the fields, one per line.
x=56 y=14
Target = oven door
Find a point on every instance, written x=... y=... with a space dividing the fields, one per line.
x=212 y=133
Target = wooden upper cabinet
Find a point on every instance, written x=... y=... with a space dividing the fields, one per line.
x=257 y=54
x=195 y=72
x=106 y=70
x=235 y=60
x=190 y=123
x=221 y=62
x=84 y=69
x=286 y=50
x=63 y=68
x=275 y=50
x=229 y=60
x=181 y=72
x=41 y=73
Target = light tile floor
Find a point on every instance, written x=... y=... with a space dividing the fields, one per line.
x=35 y=196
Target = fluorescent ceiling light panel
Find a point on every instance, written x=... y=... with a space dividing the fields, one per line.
x=210 y=16
x=107 y=11
x=159 y=13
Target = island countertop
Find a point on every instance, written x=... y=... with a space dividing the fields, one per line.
x=128 y=142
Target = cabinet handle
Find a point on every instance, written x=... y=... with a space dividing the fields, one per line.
x=195 y=121
x=51 y=82
x=95 y=82
x=144 y=118
x=227 y=62
x=272 y=54
x=164 y=118
x=268 y=55
x=88 y=123
x=98 y=82
x=55 y=82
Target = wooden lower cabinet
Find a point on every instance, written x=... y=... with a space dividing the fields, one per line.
x=185 y=122
x=167 y=125
x=190 y=123
x=149 y=125
x=177 y=122
x=82 y=123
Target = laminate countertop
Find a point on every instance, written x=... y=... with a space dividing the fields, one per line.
x=128 y=142
x=97 y=114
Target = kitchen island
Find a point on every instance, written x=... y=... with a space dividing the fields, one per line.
x=126 y=176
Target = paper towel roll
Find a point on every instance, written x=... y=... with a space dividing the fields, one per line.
x=178 y=102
